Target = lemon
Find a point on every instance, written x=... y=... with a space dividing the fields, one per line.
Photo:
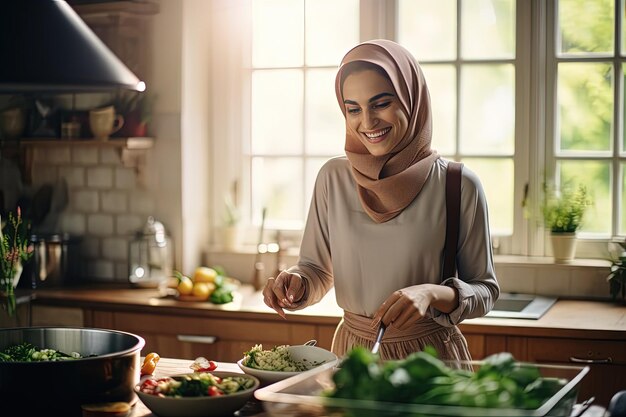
x=185 y=286
x=202 y=290
x=204 y=274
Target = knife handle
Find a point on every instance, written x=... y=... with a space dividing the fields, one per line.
x=196 y=339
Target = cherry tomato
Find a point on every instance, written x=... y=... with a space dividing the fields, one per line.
x=214 y=391
x=149 y=363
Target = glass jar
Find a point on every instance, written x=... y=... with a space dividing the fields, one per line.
x=150 y=256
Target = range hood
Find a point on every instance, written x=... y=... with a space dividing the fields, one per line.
x=47 y=48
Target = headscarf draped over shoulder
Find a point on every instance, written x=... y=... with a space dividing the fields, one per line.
x=387 y=184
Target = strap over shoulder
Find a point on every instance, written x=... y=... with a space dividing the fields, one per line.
x=454 y=174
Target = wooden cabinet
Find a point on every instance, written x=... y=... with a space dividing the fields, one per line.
x=606 y=360
x=222 y=339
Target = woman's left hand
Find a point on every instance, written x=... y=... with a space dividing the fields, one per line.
x=404 y=306
x=412 y=303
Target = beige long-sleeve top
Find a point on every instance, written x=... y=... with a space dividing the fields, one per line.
x=367 y=261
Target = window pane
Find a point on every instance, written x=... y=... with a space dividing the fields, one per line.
x=277 y=97
x=277 y=33
x=488 y=29
x=585 y=104
x=496 y=176
x=596 y=176
x=622 y=217
x=441 y=80
x=277 y=185
x=586 y=26
x=487 y=109
x=421 y=30
x=325 y=125
x=332 y=27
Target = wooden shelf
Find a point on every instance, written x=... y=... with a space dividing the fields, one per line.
x=132 y=151
x=135 y=143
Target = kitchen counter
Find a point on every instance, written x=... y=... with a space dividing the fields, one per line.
x=567 y=318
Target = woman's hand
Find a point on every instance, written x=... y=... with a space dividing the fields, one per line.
x=284 y=291
x=410 y=304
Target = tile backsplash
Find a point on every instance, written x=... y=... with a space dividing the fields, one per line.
x=106 y=204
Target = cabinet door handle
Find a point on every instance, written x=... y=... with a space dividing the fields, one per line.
x=196 y=339
x=590 y=361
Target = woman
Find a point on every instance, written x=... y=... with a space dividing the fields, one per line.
x=376 y=226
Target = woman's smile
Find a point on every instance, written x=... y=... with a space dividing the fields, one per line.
x=377 y=135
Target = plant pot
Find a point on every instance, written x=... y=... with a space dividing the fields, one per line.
x=230 y=238
x=563 y=247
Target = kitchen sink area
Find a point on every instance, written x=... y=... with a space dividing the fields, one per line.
x=521 y=306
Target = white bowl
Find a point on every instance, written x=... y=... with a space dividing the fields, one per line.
x=224 y=405
x=312 y=354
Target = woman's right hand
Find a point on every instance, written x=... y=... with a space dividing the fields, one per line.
x=284 y=291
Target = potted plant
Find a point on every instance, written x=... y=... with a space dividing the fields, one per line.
x=617 y=276
x=14 y=249
x=563 y=213
x=137 y=111
x=230 y=229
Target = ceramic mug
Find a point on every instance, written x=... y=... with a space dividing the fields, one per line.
x=12 y=123
x=103 y=122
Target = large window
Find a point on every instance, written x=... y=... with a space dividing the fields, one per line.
x=586 y=61
x=524 y=93
x=295 y=124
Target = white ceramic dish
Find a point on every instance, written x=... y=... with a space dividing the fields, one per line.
x=224 y=405
x=312 y=354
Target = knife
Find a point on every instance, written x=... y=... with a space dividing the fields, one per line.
x=379 y=337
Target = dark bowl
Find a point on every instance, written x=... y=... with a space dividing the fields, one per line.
x=61 y=387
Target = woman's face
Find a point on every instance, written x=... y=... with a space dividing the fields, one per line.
x=373 y=112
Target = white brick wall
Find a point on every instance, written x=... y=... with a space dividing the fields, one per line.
x=106 y=205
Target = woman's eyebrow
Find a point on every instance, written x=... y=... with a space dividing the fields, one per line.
x=376 y=97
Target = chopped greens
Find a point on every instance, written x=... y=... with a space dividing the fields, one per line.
x=26 y=352
x=276 y=359
x=421 y=378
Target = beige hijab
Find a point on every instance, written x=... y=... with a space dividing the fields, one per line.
x=387 y=184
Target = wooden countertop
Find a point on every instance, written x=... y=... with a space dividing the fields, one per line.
x=567 y=318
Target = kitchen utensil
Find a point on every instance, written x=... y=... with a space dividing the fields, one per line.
x=103 y=122
x=107 y=377
x=213 y=406
x=259 y=267
x=56 y=261
x=150 y=256
x=304 y=395
x=379 y=337
x=311 y=342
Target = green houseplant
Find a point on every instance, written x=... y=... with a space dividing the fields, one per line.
x=617 y=276
x=14 y=249
x=563 y=213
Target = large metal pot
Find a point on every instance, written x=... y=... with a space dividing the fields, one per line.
x=59 y=388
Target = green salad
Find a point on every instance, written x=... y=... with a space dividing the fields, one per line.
x=421 y=378
x=275 y=359
x=202 y=384
x=26 y=352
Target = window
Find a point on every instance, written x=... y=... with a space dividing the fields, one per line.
x=523 y=92
x=296 y=124
x=587 y=142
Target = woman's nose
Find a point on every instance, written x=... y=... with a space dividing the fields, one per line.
x=369 y=120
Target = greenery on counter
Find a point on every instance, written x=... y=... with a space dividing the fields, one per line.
x=26 y=352
x=421 y=378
